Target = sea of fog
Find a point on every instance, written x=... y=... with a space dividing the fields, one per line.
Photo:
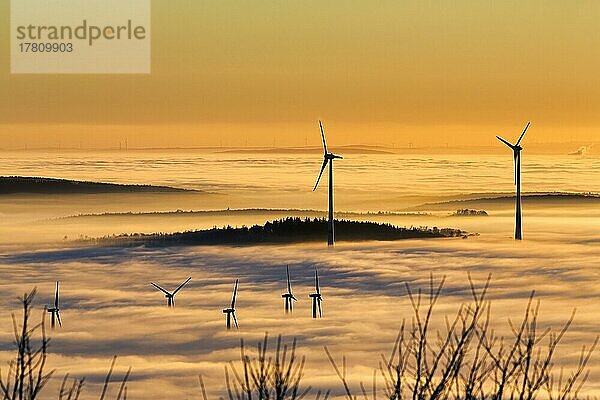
x=108 y=306
x=292 y=176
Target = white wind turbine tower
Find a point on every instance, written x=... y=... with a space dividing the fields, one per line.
x=328 y=158
x=516 y=148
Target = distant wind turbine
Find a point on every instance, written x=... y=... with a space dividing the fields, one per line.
x=316 y=298
x=231 y=310
x=170 y=296
x=55 y=311
x=516 y=148
x=289 y=297
x=328 y=158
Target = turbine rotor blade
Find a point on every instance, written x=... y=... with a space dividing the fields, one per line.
x=323 y=137
x=505 y=142
x=289 y=284
x=235 y=320
x=234 y=294
x=325 y=161
x=319 y=306
x=159 y=288
x=515 y=160
x=181 y=286
x=523 y=134
x=56 y=296
x=58 y=318
x=317 y=281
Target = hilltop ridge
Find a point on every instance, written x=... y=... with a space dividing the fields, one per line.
x=41 y=185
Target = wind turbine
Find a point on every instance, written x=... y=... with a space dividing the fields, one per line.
x=170 y=296
x=289 y=297
x=316 y=298
x=55 y=311
x=231 y=310
x=328 y=158
x=516 y=148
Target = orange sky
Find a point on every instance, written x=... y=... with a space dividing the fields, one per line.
x=389 y=72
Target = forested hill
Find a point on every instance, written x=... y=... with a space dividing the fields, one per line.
x=36 y=185
x=288 y=230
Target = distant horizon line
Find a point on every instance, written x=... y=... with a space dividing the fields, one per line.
x=373 y=147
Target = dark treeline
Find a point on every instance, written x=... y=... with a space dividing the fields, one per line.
x=24 y=184
x=288 y=230
x=306 y=213
x=530 y=198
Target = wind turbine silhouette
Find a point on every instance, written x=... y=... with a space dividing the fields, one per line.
x=328 y=158
x=231 y=310
x=55 y=311
x=170 y=296
x=316 y=298
x=289 y=297
x=516 y=148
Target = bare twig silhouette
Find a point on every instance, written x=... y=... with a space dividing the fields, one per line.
x=468 y=361
x=277 y=376
x=26 y=376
